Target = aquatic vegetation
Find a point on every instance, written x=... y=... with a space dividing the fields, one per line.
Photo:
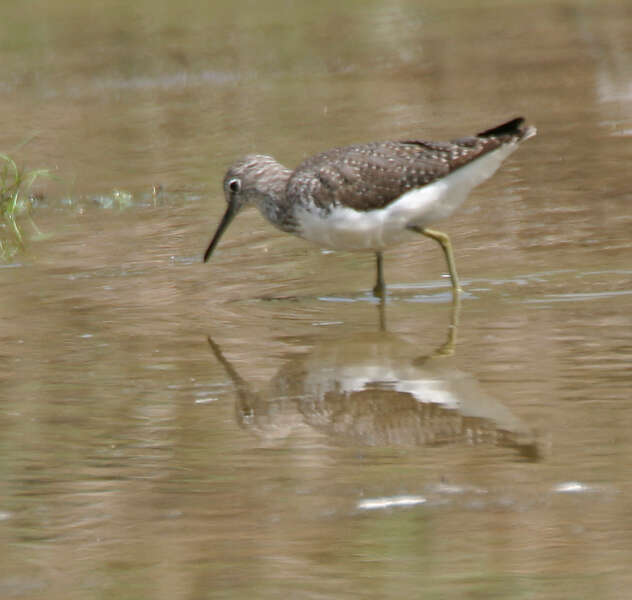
x=16 y=200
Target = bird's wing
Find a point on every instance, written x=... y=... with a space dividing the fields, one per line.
x=370 y=176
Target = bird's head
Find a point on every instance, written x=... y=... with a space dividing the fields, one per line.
x=248 y=181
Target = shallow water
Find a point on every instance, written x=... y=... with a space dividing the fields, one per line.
x=257 y=425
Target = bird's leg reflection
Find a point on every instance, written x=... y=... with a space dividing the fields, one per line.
x=448 y=347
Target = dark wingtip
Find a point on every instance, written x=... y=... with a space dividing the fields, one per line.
x=513 y=127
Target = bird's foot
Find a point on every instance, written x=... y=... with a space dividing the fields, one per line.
x=379 y=291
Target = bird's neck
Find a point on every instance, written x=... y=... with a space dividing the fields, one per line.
x=271 y=196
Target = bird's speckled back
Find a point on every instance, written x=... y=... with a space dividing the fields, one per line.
x=371 y=176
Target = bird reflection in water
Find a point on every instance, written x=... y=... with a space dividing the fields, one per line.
x=373 y=390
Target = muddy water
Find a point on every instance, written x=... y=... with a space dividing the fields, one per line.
x=257 y=426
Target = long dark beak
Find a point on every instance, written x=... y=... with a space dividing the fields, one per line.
x=229 y=215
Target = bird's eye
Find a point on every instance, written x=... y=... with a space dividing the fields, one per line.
x=234 y=185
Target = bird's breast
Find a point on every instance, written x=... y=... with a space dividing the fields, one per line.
x=344 y=228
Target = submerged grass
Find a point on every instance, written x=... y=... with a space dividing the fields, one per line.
x=15 y=200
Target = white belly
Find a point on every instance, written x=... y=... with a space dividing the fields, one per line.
x=348 y=229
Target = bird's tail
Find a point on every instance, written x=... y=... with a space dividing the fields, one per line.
x=515 y=128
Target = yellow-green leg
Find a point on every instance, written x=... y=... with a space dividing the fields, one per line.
x=447 y=349
x=446 y=246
